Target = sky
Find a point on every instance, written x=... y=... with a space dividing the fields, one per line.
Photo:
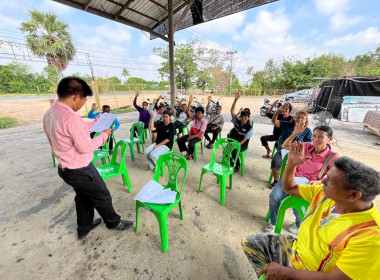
x=290 y=29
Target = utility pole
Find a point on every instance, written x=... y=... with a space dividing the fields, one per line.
x=231 y=53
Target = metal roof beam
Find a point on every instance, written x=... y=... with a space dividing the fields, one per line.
x=122 y=9
x=158 y=4
x=85 y=6
x=183 y=15
x=174 y=12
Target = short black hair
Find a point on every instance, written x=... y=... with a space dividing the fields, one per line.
x=218 y=106
x=166 y=112
x=359 y=177
x=326 y=129
x=161 y=106
x=200 y=109
x=71 y=86
x=144 y=102
x=289 y=106
x=245 y=113
x=106 y=107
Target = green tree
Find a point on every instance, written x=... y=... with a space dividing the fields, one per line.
x=125 y=73
x=47 y=36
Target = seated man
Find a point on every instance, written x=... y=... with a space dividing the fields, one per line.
x=241 y=131
x=182 y=119
x=92 y=114
x=160 y=109
x=163 y=140
x=114 y=126
x=198 y=127
x=287 y=128
x=310 y=172
x=214 y=125
x=339 y=237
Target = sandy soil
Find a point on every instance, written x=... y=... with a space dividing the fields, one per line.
x=37 y=211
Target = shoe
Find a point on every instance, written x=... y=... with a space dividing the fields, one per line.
x=209 y=146
x=237 y=168
x=293 y=228
x=270 y=229
x=95 y=223
x=110 y=152
x=123 y=225
x=271 y=186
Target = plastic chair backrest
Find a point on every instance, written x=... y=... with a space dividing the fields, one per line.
x=123 y=146
x=140 y=130
x=228 y=145
x=106 y=145
x=174 y=163
x=283 y=165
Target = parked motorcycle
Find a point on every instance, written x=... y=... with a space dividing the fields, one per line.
x=265 y=108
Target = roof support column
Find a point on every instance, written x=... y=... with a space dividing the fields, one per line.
x=171 y=54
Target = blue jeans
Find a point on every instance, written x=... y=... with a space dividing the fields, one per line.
x=275 y=198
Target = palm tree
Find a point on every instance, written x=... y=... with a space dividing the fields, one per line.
x=47 y=36
x=125 y=74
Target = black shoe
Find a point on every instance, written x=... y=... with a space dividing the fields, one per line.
x=237 y=168
x=95 y=223
x=123 y=225
x=271 y=186
x=209 y=146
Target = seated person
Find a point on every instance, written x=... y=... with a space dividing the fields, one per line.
x=182 y=119
x=160 y=109
x=321 y=160
x=214 y=125
x=115 y=126
x=164 y=139
x=144 y=115
x=198 y=127
x=92 y=114
x=339 y=237
x=285 y=116
x=287 y=128
x=241 y=131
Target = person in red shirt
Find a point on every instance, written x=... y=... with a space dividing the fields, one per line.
x=69 y=138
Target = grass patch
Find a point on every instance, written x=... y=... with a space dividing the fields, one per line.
x=123 y=110
x=6 y=122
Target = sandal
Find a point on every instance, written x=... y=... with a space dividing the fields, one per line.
x=190 y=157
x=266 y=156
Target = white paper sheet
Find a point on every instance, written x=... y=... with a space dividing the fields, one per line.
x=104 y=122
x=301 y=180
x=153 y=192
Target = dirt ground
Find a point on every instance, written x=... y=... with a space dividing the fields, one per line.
x=38 y=220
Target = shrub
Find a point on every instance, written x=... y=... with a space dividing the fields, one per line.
x=6 y=122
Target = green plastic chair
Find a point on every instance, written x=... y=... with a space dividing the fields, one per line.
x=262 y=277
x=291 y=201
x=136 y=140
x=196 y=150
x=103 y=153
x=217 y=138
x=221 y=169
x=273 y=152
x=175 y=163
x=145 y=134
x=116 y=168
x=53 y=158
x=163 y=163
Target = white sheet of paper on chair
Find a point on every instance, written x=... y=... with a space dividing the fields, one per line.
x=153 y=192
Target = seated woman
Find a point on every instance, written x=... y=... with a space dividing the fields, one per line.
x=321 y=159
x=241 y=131
x=164 y=131
x=197 y=129
x=287 y=128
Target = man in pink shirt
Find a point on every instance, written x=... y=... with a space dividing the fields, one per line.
x=70 y=140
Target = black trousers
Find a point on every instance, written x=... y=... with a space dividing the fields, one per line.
x=268 y=138
x=234 y=154
x=190 y=147
x=91 y=193
x=178 y=125
x=214 y=134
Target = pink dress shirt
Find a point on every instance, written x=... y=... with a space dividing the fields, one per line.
x=69 y=137
x=311 y=168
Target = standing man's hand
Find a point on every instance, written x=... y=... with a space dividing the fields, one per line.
x=108 y=131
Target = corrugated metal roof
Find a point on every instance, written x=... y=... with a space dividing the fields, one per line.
x=152 y=15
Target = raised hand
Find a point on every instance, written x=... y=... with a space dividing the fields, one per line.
x=209 y=99
x=300 y=126
x=154 y=113
x=191 y=98
x=137 y=94
x=296 y=154
x=237 y=95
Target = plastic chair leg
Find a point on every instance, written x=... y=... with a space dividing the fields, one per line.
x=103 y=161
x=222 y=191
x=132 y=152
x=138 y=147
x=267 y=217
x=200 y=181
x=53 y=158
x=137 y=216
x=180 y=210
x=242 y=158
x=126 y=181
x=163 y=225
x=270 y=177
x=230 y=179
